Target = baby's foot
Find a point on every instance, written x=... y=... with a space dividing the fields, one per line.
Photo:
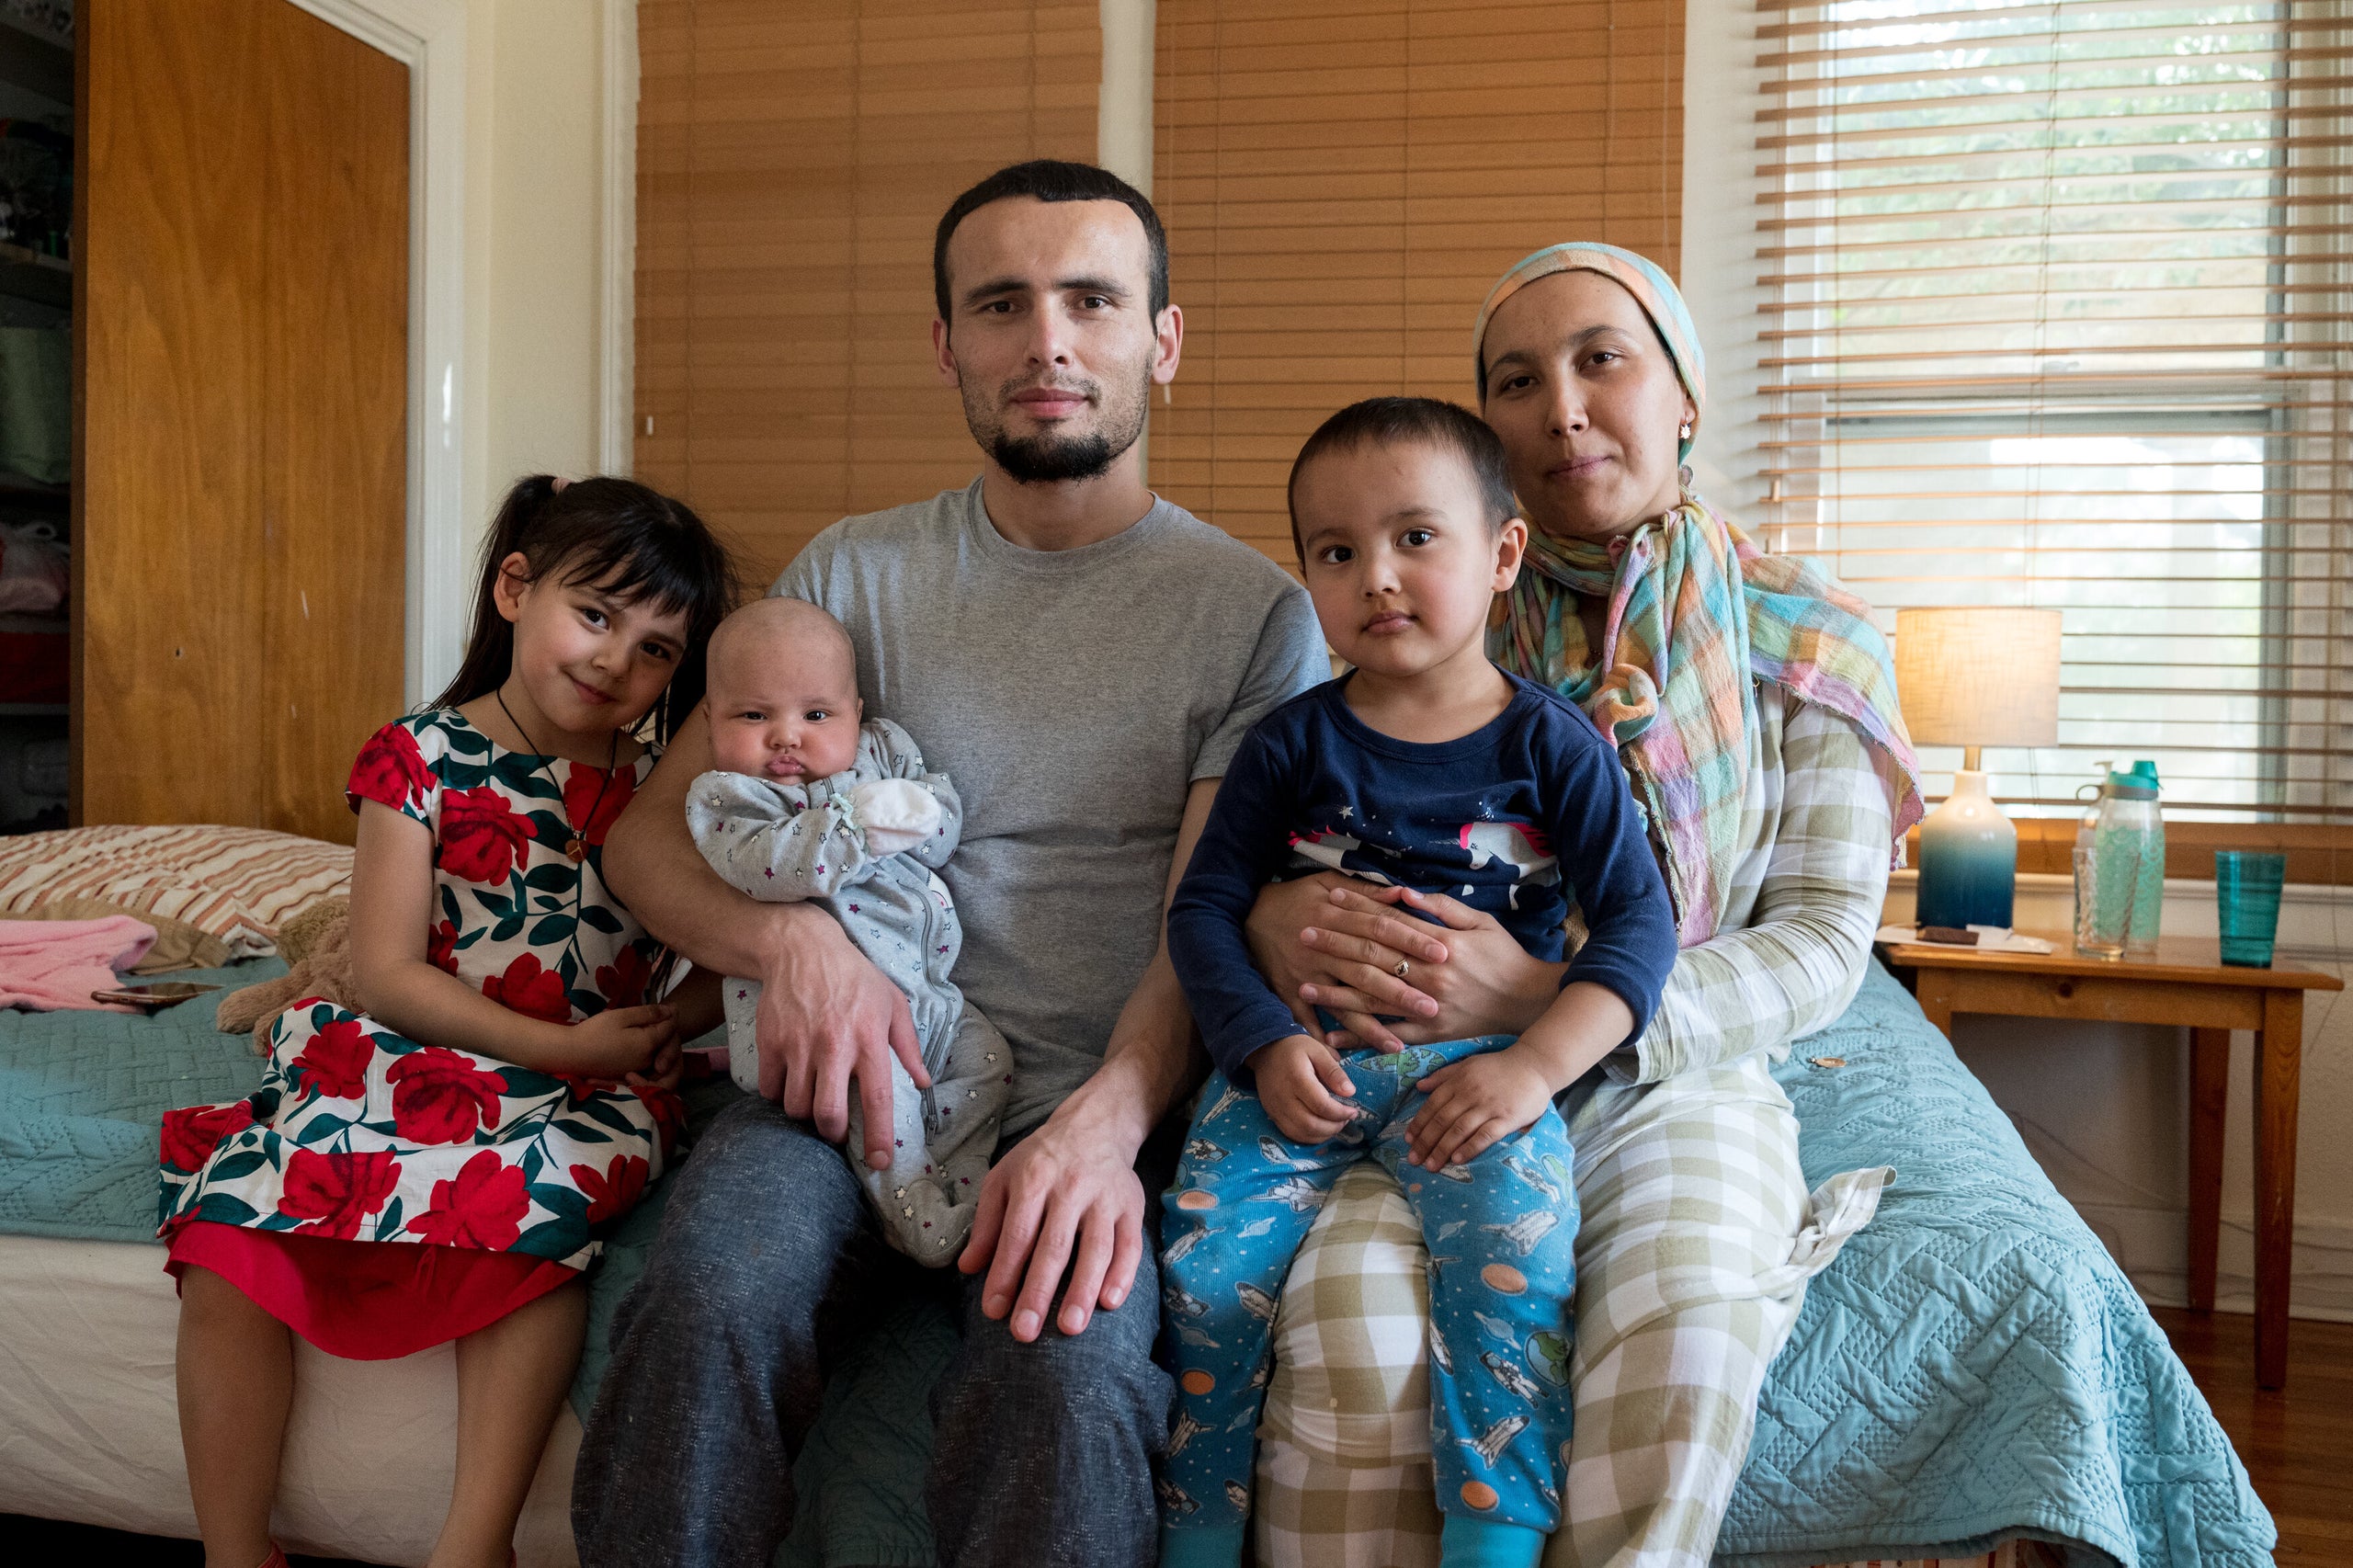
x=925 y=1222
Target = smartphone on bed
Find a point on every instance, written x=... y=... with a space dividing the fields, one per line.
x=163 y=994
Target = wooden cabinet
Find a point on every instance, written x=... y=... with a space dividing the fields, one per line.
x=241 y=323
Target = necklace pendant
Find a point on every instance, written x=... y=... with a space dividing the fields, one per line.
x=576 y=851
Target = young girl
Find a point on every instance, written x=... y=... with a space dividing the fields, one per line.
x=507 y=1092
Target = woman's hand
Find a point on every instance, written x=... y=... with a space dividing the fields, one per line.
x=1481 y=980
x=1314 y=936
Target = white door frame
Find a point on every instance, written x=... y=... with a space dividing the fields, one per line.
x=429 y=37
x=617 y=312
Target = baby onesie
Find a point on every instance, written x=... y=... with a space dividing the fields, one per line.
x=864 y=843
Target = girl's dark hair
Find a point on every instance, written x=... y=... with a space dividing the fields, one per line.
x=633 y=542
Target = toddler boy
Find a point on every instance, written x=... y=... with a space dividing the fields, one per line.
x=808 y=802
x=1428 y=768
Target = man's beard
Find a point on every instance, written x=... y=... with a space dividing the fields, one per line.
x=1049 y=459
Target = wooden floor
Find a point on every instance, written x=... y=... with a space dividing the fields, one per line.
x=2297 y=1444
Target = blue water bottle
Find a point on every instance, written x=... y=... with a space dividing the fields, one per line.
x=2129 y=844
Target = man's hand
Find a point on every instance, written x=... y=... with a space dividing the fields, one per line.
x=1069 y=1185
x=1300 y=1083
x=1473 y=1102
x=828 y=1016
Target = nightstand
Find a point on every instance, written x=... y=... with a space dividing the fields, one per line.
x=2185 y=983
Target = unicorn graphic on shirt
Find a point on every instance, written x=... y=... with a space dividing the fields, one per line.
x=1518 y=844
x=1329 y=847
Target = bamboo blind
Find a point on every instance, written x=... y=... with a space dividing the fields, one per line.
x=2055 y=314
x=793 y=158
x=1343 y=180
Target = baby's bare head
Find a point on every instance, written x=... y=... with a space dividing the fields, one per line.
x=782 y=698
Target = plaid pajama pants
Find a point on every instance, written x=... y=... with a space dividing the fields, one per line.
x=1697 y=1241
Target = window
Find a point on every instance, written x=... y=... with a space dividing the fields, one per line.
x=2053 y=313
x=1343 y=181
x=793 y=156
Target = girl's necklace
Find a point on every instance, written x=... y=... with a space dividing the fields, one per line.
x=575 y=848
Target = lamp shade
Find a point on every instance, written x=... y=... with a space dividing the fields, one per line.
x=1978 y=677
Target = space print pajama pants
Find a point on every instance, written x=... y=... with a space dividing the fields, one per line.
x=1501 y=1229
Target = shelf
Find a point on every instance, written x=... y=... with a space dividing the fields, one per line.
x=35 y=711
x=36 y=625
x=36 y=63
x=30 y=274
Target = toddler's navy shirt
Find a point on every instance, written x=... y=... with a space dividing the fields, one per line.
x=1523 y=818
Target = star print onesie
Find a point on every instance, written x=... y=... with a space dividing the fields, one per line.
x=1525 y=818
x=864 y=843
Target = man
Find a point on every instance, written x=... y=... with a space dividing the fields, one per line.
x=1081 y=657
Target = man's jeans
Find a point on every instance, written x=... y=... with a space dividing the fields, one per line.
x=767 y=1261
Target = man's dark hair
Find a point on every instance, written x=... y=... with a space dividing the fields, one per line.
x=1049 y=180
x=1390 y=421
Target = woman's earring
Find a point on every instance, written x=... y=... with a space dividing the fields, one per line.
x=1686 y=431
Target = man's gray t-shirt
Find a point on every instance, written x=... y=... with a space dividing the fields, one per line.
x=1073 y=696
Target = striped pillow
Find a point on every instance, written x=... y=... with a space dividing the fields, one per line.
x=237 y=883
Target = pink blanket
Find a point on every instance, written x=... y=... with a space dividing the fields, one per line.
x=47 y=964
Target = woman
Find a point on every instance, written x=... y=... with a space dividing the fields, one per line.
x=1753 y=708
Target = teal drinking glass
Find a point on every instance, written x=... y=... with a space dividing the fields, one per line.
x=2246 y=895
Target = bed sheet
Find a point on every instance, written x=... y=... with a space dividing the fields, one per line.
x=89 y=1430
x=81 y=1097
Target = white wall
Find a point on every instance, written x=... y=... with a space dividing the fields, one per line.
x=2104 y=1108
x=535 y=185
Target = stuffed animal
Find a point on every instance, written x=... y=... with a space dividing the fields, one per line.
x=317 y=942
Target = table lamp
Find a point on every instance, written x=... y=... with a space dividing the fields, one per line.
x=1974 y=678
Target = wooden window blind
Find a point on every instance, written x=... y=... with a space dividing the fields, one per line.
x=1343 y=180
x=2055 y=307
x=793 y=158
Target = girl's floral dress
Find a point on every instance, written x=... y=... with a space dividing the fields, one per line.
x=501 y=1177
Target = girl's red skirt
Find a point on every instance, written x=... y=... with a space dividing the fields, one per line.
x=367 y=1301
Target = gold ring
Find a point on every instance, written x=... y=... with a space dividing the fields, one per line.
x=1401 y=967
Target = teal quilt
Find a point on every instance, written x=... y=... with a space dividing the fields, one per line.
x=1971 y=1369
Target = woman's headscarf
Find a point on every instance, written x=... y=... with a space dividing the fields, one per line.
x=1638 y=276
x=1696 y=614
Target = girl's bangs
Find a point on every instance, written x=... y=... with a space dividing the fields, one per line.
x=663 y=569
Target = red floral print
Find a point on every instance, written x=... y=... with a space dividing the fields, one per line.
x=335 y=1063
x=581 y=1090
x=613 y=1191
x=483 y=1208
x=375 y=1128
x=480 y=837
x=669 y=1112
x=441 y=946
x=191 y=1135
x=335 y=1192
x=390 y=771
x=590 y=816
x=622 y=981
x=530 y=989
x=440 y=1096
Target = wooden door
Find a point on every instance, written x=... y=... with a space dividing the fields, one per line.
x=241 y=471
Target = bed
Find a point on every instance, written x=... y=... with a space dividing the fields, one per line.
x=1973 y=1373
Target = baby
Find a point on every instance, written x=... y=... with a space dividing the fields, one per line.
x=1425 y=768
x=807 y=802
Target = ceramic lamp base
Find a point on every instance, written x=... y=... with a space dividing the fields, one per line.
x=1968 y=858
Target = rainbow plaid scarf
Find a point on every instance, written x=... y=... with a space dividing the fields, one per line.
x=1681 y=645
